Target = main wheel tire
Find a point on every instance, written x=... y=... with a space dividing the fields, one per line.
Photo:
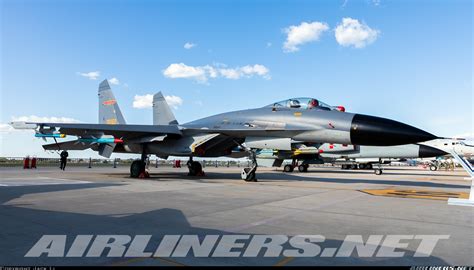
x=248 y=177
x=433 y=168
x=288 y=168
x=378 y=171
x=354 y=166
x=306 y=166
x=195 y=168
x=302 y=168
x=137 y=168
x=369 y=166
x=362 y=166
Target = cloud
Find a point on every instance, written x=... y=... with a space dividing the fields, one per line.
x=350 y=32
x=176 y=71
x=201 y=74
x=174 y=101
x=114 y=81
x=143 y=102
x=189 y=45
x=269 y=44
x=301 y=34
x=6 y=128
x=376 y=2
x=146 y=101
x=93 y=75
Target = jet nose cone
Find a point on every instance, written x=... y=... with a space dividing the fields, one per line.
x=371 y=130
x=427 y=151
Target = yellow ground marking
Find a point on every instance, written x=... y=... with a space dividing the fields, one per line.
x=284 y=261
x=416 y=194
x=297 y=114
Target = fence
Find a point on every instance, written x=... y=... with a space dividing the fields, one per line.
x=116 y=162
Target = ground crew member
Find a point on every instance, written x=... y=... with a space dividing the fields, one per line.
x=64 y=154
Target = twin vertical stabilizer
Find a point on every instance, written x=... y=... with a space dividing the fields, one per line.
x=109 y=111
x=162 y=114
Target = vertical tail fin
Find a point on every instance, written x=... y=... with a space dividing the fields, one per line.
x=162 y=114
x=109 y=111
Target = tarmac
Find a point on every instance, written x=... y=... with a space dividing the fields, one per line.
x=324 y=201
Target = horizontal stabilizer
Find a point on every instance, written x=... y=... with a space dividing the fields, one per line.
x=69 y=145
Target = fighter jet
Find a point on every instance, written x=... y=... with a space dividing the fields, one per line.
x=348 y=156
x=273 y=126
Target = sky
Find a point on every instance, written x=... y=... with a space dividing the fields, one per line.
x=409 y=61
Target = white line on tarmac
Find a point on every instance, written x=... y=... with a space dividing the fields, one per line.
x=36 y=181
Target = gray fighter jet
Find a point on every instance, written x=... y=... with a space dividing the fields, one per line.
x=274 y=126
x=348 y=156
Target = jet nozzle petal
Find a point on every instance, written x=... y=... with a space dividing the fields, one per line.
x=377 y=131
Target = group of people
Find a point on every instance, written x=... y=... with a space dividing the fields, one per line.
x=63 y=158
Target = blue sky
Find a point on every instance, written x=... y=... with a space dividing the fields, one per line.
x=407 y=60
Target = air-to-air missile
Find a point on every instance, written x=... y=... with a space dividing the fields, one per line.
x=50 y=135
x=100 y=140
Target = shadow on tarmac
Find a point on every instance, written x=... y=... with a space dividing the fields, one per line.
x=23 y=227
x=277 y=177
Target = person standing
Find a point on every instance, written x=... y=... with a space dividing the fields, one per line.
x=64 y=154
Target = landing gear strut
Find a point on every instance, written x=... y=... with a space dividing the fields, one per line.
x=248 y=174
x=378 y=170
x=194 y=167
x=138 y=167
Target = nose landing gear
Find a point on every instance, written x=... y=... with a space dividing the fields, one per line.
x=249 y=174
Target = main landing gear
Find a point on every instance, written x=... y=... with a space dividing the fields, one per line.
x=138 y=167
x=194 y=167
x=293 y=165
x=248 y=174
x=368 y=166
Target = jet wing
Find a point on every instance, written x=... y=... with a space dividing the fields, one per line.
x=118 y=131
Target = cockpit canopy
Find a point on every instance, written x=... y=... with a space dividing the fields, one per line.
x=303 y=103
